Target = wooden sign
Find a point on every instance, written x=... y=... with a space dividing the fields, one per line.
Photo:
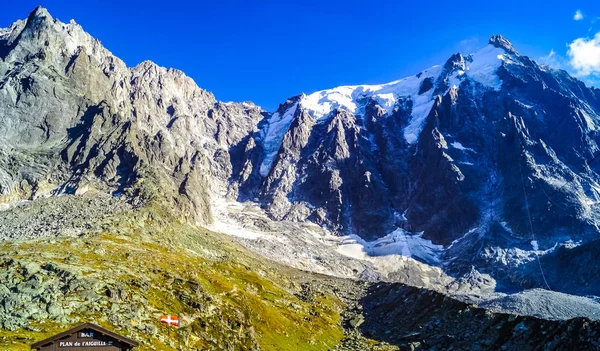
x=86 y=337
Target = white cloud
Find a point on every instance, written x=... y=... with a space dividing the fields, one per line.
x=578 y=15
x=468 y=45
x=584 y=55
x=552 y=59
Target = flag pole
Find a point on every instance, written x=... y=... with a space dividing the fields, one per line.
x=179 y=331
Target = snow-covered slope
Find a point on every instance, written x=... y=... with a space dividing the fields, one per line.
x=480 y=67
x=353 y=98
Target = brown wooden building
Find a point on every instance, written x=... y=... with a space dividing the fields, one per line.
x=86 y=337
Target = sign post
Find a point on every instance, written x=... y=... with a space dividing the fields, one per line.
x=179 y=332
x=174 y=321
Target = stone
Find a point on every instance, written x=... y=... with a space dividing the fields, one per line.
x=54 y=310
x=357 y=321
x=30 y=269
x=414 y=346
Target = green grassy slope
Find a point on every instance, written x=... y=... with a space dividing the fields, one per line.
x=146 y=263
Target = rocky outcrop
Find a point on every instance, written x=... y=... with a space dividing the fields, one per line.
x=73 y=115
x=69 y=215
x=433 y=321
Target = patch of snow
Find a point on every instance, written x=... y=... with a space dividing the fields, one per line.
x=534 y=245
x=570 y=244
x=322 y=103
x=529 y=107
x=446 y=156
x=273 y=137
x=459 y=146
x=589 y=121
x=481 y=68
x=471 y=231
x=515 y=257
x=349 y=98
x=505 y=226
x=459 y=175
x=545 y=304
x=249 y=104
x=400 y=216
x=224 y=223
x=397 y=243
x=485 y=64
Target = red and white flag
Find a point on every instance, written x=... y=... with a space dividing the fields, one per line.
x=170 y=320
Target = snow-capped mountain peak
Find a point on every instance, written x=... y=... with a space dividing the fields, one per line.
x=455 y=149
x=480 y=67
x=501 y=42
x=420 y=89
x=354 y=98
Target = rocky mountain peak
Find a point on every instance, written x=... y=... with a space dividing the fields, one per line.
x=455 y=62
x=40 y=12
x=38 y=20
x=69 y=96
x=502 y=43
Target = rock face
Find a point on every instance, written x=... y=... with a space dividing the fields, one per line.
x=74 y=117
x=479 y=156
x=38 y=293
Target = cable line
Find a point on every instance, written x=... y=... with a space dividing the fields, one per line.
x=531 y=226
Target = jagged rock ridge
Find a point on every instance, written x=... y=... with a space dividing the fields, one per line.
x=74 y=117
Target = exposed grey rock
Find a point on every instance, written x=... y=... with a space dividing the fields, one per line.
x=74 y=118
x=65 y=216
x=429 y=320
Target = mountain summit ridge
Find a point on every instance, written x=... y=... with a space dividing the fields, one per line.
x=497 y=40
x=435 y=80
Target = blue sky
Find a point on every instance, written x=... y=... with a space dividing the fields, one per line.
x=267 y=50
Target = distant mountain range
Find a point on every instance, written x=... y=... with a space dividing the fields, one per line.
x=473 y=173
